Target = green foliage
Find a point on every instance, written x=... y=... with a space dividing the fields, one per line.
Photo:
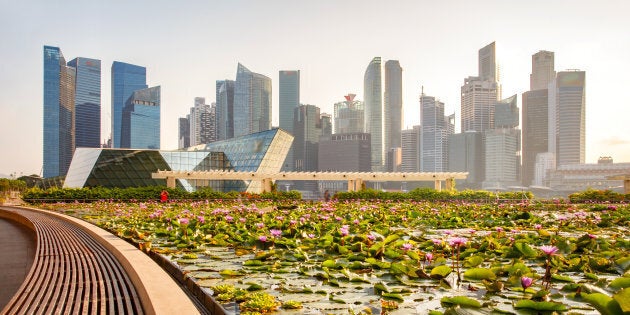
x=429 y=194
x=597 y=195
x=143 y=194
x=11 y=185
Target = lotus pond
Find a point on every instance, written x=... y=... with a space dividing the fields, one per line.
x=360 y=257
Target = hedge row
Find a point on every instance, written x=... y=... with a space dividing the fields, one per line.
x=144 y=194
x=429 y=194
x=598 y=196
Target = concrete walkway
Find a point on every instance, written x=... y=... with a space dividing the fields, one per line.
x=17 y=252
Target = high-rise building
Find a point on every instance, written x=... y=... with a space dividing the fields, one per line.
x=466 y=154
x=252 y=102
x=183 y=141
x=126 y=79
x=411 y=139
x=536 y=113
x=373 y=92
x=349 y=115
x=87 y=105
x=543 y=70
x=344 y=152
x=488 y=66
x=141 y=120
x=225 y=109
x=308 y=127
x=502 y=147
x=393 y=105
x=570 y=105
x=59 y=111
x=289 y=99
x=435 y=134
x=202 y=122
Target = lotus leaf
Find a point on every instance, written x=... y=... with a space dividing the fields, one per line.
x=603 y=303
x=479 y=274
x=620 y=283
x=623 y=298
x=463 y=301
x=440 y=272
x=540 y=306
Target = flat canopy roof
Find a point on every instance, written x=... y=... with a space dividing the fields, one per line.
x=619 y=177
x=365 y=176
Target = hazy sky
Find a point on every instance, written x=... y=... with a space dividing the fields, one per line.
x=187 y=45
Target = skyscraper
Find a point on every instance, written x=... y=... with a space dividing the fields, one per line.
x=393 y=109
x=435 y=133
x=466 y=154
x=141 y=120
x=202 y=122
x=87 y=104
x=126 y=79
x=373 y=91
x=307 y=129
x=536 y=113
x=349 y=116
x=225 y=109
x=183 y=140
x=289 y=99
x=410 y=142
x=59 y=104
x=502 y=147
x=480 y=93
x=570 y=117
x=252 y=102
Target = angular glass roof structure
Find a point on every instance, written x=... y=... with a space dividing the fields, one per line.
x=263 y=151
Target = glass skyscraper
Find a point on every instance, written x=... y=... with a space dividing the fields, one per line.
x=87 y=102
x=252 y=102
x=349 y=116
x=373 y=92
x=59 y=87
x=126 y=79
x=141 y=120
x=393 y=108
x=225 y=109
x=289 y=99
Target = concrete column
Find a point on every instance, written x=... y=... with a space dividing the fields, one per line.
x=170 y=182
x=626 y=186
x=449 y=184
x=358 y=183
x=438 y=185
x=350 y=185
x=266 y=184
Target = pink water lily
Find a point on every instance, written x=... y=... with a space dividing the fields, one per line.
x=526 y=282
x=407 y=246
x=275 y=232
x=457 y=241
x=262 y=238
x=549 y=250
x=183 y=221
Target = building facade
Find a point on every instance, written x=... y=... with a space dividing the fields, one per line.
x=373 y=93
x=59 y=111
x=252 y=102
x=141 y=120
x=202 y=122
x=225 y=109
x=435 y=135
x=126 y=79
x=87 y=105
x=570 y=117
x=289 y=99
x=393 y=105
x=183 y=140
x=349 y=115
x=466 y=154
x=410 y=160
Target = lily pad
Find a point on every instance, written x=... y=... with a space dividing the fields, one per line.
x=540 y=306
x=623 y=298
x=479 y=274
x=603 y=303
x=463 y=301
x=440 y=272
x=620 y=283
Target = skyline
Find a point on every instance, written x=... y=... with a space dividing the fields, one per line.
x=185 y=49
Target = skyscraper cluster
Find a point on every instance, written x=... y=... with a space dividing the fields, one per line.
x=72 y=108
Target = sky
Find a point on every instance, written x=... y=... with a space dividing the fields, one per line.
x=187 y=45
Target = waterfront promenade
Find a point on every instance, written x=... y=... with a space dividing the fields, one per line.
x=52 y=263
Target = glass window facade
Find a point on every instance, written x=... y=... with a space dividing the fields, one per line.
x=141 y=120
x=263 y=151
x=126 y=79
x=87 y=102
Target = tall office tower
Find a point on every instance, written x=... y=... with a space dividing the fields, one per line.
x=348 y=152
x=536 y=113
x=543 y=70
x=570 y=118
x=126 y=79
x=410 y=142
x=502 y=147
x=466 y=154
x=289 y=99
x=435 y=133
x=480 y=93
x=202 y=122
x=327 y=127
x=59 y=103
x=225 y=109
x=349 y=116
x=87 y=105
x=393 y=109
x=373 y=91
x=141 y=120
x=307 y=129
x=183 y=141
x=252 y=102
x=488 y=67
